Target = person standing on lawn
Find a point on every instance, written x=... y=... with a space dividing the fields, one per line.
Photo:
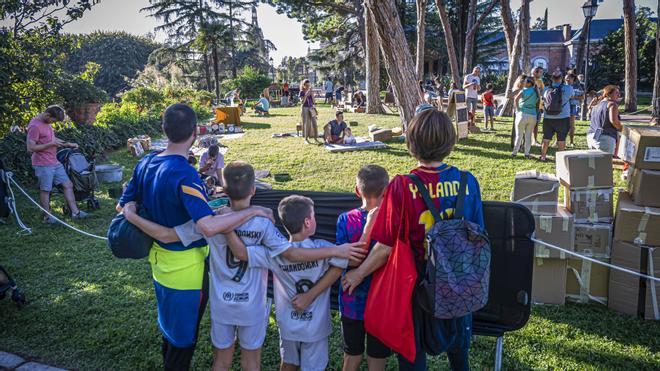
x=329 y=90
x=43 y=144
x=308 y=113
x=537 y=73
x=171 y=193
x=526 y=103
x=431 y=138
x=472 y=85
x=557 y=116
x=488 y=101
x=605 y=121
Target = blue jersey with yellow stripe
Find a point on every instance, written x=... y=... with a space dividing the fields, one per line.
x=172 y=194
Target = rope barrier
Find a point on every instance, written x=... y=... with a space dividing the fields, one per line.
x=615 y=267
x=25 y=229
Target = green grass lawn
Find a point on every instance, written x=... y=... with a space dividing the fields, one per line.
x=89 y=310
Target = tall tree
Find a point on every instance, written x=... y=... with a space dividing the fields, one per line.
x=656 y=82
x=182 y=20
x=396 y=55
x=508 y=26
x=525 y=19
x=449 y=41
x=208 y=41
x=473 y=25
x=541 y=23
x=232 y=14
x=372 y=61
x=421 y=37
x=514 y=61
x=630 y=30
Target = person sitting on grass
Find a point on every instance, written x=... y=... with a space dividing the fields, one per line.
x=335 y=130
x=43 y=144
x=263 y=106
x=489 y=106
x=348 y=136
x=211 y=164
x=356 y=226
x=359 y=99
x=243 y=316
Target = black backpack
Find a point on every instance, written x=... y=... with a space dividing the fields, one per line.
x=552 y=99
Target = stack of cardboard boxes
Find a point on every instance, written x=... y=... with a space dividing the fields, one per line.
x=554 y=224
x=586 y=177
x=637 y=226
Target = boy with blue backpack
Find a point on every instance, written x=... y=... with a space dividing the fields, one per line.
x=355 y=226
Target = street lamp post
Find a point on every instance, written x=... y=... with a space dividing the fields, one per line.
x=589 y=9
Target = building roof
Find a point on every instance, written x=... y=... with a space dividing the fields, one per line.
x=601 y=28
x=537 y=36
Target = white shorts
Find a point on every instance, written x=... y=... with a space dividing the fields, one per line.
x=249 y=337
x=309 y=356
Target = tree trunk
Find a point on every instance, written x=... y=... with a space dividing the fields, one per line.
x=216 y=72
x=372 y=61
x=421 y=37
x=582 y=47
x=207 y=71
x=449 y=41
x=473 y=26
x=232 y=51
x=514 y=65
x=507 y=25
x=656 y=84
x=526 y=19
x=630 y=30
x=396 y=55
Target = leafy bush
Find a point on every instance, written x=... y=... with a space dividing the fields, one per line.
x=498 y=81
x=79 y=89
x=250 y=81
x=145 y=98
x=120 y=55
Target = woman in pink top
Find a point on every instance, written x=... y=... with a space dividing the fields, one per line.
x=43 y=144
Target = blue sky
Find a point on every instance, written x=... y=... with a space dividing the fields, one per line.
x=286 y=33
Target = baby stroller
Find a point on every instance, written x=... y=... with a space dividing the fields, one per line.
x=83 y=176
x=7 y=283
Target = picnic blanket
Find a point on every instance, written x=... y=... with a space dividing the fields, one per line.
x=291 y=135
x=360 y=145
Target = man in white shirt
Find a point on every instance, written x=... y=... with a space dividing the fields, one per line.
x=472 y=85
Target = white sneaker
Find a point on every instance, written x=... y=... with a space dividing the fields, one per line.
x=81 y=215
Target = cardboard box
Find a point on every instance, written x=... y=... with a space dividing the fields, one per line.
x=644 y=185
x=585 y=169
x=549 y=281
x=636 y=223
x=536 y=191
x=555 y=229
x=593 y=240
x=587 y=281
x=461 y=130
x=630 y=294
x=640 y=146
x=381 y=135
x=590 y=205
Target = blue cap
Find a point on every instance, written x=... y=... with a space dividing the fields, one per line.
x=423 y=107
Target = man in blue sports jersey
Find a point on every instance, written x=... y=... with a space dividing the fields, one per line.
x=171 y=192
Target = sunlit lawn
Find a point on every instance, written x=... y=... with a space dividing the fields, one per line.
x=88 y=310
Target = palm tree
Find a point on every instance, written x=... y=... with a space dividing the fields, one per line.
x=210 y=37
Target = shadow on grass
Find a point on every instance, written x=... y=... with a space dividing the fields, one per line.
x=256 y=125
x=610 y=325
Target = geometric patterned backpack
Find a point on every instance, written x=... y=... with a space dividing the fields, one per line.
x=455 y=282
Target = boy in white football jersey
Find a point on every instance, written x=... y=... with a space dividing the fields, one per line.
x=302 y=290
x=238 y=289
